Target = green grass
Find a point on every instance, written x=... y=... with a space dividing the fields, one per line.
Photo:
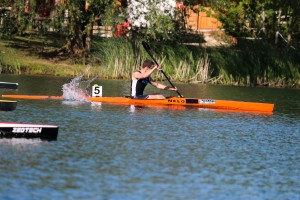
x=31 y=54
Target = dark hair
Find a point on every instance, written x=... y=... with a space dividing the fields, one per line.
x=147 y=63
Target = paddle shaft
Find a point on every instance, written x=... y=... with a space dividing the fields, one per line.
x=147 y=48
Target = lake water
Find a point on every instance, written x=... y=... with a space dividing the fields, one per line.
x=124 y=152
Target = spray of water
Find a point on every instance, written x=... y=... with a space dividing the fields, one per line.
x=77 y=89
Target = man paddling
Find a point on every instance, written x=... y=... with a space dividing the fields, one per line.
x=141 y=78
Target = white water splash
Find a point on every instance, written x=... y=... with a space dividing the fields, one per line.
x=76 y=90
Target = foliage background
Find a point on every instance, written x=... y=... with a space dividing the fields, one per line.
x=266 y=52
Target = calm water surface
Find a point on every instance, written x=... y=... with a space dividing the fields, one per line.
x=126 y=152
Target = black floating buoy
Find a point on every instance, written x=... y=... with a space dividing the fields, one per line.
x=6 y=105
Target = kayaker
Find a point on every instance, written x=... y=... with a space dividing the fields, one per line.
x=141 y=78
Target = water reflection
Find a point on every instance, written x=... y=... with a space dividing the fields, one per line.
x=21 y=143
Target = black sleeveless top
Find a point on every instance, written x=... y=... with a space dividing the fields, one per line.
x=138 y=86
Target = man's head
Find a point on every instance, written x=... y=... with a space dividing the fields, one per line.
x=148 y=63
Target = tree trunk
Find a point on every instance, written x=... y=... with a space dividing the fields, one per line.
x=75 y=44
x=79 y=41
x=88 y=40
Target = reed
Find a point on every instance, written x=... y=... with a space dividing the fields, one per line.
x=116 y=58
x=202 y=73
x=120 y=57
x=185 y=63
x=9 y=62
x=255 y=63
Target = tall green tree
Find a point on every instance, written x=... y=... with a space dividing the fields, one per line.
x=264 y=18
x=81 y=17
x=14 y=19
x=153 y=20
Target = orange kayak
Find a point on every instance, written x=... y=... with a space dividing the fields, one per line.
x=192 y=102
x=171 y=101
x=21 y=96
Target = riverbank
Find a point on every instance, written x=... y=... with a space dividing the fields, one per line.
x=249 y=64
x=34 y=54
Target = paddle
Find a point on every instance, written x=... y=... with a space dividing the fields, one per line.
x=147 y=48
